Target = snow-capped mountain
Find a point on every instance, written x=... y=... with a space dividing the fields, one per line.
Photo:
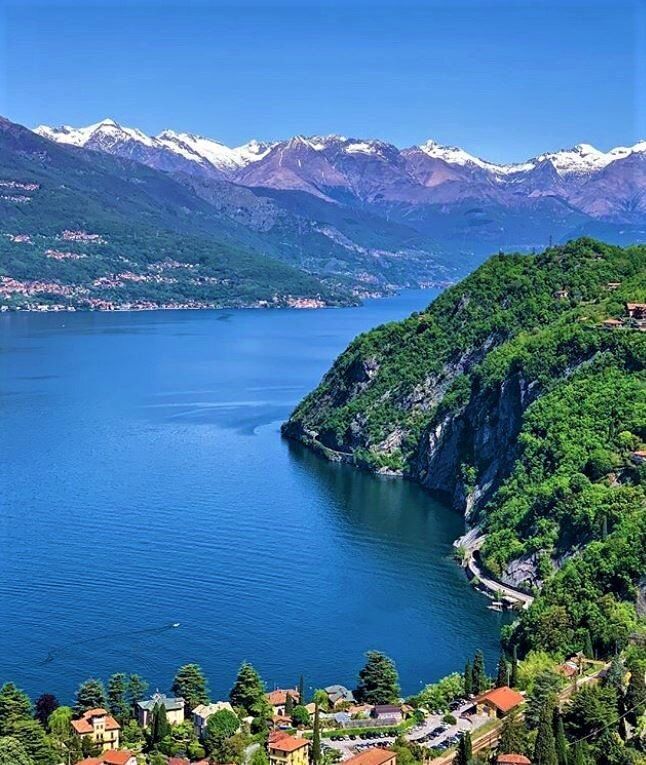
x=408 y=183
x=170 y=151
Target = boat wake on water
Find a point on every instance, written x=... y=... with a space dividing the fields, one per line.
x=51 y=656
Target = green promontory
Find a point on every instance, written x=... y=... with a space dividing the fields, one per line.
x=509 y=397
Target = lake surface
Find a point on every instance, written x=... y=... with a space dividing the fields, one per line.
x=143 y=481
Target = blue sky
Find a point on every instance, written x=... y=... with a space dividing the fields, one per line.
x=504 y=80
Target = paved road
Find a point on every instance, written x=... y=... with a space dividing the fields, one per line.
x=491 y=584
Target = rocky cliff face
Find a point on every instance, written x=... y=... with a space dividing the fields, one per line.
x=478 y=440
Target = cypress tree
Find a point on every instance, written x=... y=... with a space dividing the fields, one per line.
x=316 y=737
x=468 y=679
x=588 y=650
x=545 y=747
x=513 y=679
x=560 y=741
x=635 y=699
x=478 y=676
x=301 y=691
x=464 y=753
x=503 y=672
x=512 y=735
x=289 y=705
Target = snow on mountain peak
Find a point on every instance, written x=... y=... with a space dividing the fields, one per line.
x=455 y=156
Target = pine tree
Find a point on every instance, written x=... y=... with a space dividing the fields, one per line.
x=468 y=679
x=478 y=676
x=378 y=680
x=190 y=684
x=14 y=706
x=503 y=672
x=12 y=752
x=247 y=689
x=301 y=690
x=118 y=702
x=545 y=746
x=560 y=742
x=316 y=738
x=137 y=688
x=34 y=741
x=90 y=695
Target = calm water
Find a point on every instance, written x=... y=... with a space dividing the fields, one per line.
x=143 y=481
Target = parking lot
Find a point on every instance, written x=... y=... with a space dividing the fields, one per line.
x=433 y=733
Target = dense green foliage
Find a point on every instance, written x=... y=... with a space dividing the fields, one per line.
x=378 y=680
x=190 y=684
x=248 y=688
x=566 y=495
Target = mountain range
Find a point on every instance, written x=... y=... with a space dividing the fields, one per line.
x=581 y=180
x=309 y=220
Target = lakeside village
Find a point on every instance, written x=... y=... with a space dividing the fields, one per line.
x=535 y=711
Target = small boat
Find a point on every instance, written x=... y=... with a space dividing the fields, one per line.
x=176 y=624
x=497 y=605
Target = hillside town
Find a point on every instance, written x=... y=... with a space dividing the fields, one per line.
x=464 y=718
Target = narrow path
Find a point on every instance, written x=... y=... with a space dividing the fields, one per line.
x=471 y=543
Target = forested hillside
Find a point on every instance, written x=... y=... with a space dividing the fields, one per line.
x=84 y=229
x=511 y=398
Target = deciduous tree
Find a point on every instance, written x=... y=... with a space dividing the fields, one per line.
x=45 y=705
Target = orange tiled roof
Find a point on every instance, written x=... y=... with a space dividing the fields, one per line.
x=513 y=759
x=84 y=725
x=288 y=744
x=114 y=757
x=277 y=735
x=504 y=698
x=279 y=696
x=111 y=757
x=376 y=756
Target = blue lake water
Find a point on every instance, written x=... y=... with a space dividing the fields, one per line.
x=143 y=481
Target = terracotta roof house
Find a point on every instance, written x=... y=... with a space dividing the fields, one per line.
x=111 y=757
x=513 y=759
x=278 y=698
x=174 y=709
x=98 y=726
x=499 y=701
x=289 y=750
x=376 y=756
x=276 y=735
